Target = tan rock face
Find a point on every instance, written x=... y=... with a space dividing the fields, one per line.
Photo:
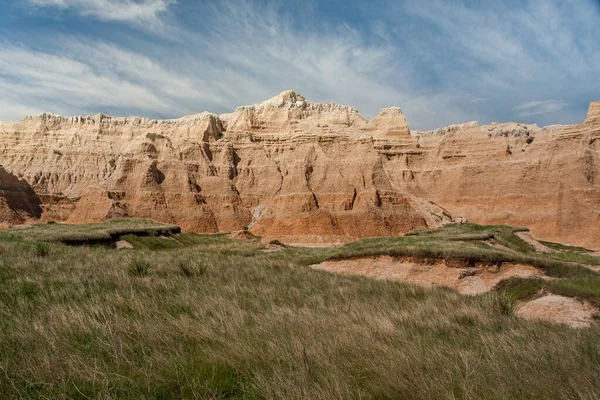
x=593 y=116
x=309 y=172
x=18 y=201
x=544 y=179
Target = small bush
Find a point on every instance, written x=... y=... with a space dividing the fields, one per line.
x=185 y=268
x=139 y=268
x=202 y=269
x=154 y=136
x=41 y=250
x=276 y=243
x=189 y=270
x=504 y=303
x=520 y=288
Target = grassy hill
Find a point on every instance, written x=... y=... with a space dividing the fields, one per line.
x=204 y=316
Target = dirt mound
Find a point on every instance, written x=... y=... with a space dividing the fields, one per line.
x=241 y=235
x=540 y=248
x=272 y=247
x=558 y=309
x=466 y=280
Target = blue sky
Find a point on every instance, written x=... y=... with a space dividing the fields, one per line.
x=442 y=62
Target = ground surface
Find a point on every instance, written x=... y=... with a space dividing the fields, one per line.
x=470 y=280
x=188 y=316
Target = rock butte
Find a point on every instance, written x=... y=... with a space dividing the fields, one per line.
x=303 y=172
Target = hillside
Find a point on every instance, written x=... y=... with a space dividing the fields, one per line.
x=306 y=172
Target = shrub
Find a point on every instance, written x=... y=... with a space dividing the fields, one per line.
x=41 y=250
x=185 y=268
x=154 y=136
x=189 y=270
x=139 y=268
x=202 y=269
x=503 y=302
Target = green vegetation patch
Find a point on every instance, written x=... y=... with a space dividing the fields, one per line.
x=90 y=233
x=564 y=247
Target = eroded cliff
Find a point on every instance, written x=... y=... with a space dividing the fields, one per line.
x=309 y=172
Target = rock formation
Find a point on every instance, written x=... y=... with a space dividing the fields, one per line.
x=593 y=117
x=18 y=201
x=308 y=172
x=545 y=179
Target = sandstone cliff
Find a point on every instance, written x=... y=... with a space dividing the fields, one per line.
x=309 y=172
x=18 y=201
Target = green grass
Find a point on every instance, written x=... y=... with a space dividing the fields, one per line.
x=154 y=243
x=216 y=318
x=139 y=268
x=82 y=233
x=564 y=247
x=521 y=288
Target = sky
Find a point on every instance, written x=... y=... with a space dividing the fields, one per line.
x=440 y=61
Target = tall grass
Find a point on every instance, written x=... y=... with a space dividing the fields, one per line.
x=245 y=323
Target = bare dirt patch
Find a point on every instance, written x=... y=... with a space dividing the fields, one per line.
x=592 y=267
x=316 y=245
x=527 y=238
x=271 y=247
x=123 y=244
x=466 y=280
x=241 y=235
x=558 y=309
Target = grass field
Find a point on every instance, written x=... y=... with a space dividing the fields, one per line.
x=193 y=316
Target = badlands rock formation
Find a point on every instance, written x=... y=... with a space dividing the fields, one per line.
x=545 y=179
x=18 y=201
x=305 y=172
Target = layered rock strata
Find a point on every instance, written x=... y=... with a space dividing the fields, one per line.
x=308 y=172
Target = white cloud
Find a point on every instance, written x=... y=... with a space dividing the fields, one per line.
x=138 y=12
x=441 y=62
x=250 y=54
x=89 y=77
x=539 y=107
x=509 y=54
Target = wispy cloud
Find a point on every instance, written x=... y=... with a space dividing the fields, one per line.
x=512 y=53
x=250 y=54
x=92 y=76
x=539 y=107
x=138 y=12
x=442 y=62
